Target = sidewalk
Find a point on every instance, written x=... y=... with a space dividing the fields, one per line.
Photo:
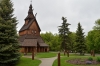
x=47 y=61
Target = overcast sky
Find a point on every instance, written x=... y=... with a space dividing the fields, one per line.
x=49 y=13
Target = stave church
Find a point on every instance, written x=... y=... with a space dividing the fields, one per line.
x=29 y=35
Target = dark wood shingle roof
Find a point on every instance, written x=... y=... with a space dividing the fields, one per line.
x=43 y=45
x=26 y=26
x=31 y=40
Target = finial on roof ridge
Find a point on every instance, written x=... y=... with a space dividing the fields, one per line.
x=31 y=1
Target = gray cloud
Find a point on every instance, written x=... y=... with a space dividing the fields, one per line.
x=49 y=13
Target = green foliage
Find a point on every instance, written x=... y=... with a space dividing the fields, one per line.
x=52 y=40
x=64 y=34
x=93 y=38
x=80 y=40
x=90 y=58
x=72 y=37
x=28 y=62
x=9 y=47
x=97 y=25
x=98 y=59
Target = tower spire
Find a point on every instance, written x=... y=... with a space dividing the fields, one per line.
x=31 y=1
x=30 y=8
x=30 y=12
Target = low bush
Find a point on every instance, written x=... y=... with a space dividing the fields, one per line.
x=90 y=58
x=98 y=59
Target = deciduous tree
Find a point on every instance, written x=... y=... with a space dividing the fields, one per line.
x=52 y=40
x=93 y=38
x=72 y=36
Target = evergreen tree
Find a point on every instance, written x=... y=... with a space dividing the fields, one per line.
x=80 y=40
x=64 y=34
x=9 y=47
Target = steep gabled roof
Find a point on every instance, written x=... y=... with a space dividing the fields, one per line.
x=31 y=18
x=24 y=27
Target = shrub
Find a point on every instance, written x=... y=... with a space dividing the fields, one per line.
x=98 y=59
x=90 y=58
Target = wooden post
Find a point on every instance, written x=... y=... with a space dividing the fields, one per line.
x=43 y=49
x=59 y=59
x=39 y=49
x=25 y=51
x=91 y=52
x=67 y=53
x=32 y=55
x=64 y=52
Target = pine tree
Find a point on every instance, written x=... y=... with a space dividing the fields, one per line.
x=9 y=47
x=80 y=40
x=63 y=33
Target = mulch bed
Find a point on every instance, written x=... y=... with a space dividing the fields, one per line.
x=80 y=61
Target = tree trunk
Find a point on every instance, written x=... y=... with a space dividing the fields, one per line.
x=64 y=52
x=80 y=52
x=67 y=53
x=93 y=53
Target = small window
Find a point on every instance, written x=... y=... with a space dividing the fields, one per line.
x=35 y=31
x=32 y=31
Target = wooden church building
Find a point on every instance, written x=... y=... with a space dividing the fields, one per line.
x=29 y=35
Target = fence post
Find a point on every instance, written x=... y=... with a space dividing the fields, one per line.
x=59 y=59
x=33 y=55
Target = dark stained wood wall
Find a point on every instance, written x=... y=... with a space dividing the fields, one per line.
x=33 y=29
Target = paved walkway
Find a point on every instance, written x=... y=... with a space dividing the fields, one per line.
x=45 y=61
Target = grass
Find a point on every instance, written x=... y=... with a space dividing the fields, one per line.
x=72 y=56
x=46 y=55
x=42 y=54
x=28 y=62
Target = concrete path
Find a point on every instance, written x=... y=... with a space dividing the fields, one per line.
x=47 y=61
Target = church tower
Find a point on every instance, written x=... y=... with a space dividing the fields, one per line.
x=30 y=26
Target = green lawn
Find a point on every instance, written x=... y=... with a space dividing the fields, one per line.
x=28 y=62
x=42 y=54
x=64 y=59
x=46 y=55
